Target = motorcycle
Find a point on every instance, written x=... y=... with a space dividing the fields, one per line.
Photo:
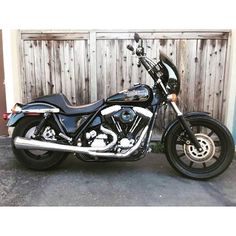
x=120 y=127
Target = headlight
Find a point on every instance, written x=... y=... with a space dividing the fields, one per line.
x=173 y=85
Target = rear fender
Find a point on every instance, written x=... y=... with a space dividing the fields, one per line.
x=31 y=109
x=174 y=122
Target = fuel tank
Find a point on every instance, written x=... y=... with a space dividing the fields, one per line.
x=140 y=94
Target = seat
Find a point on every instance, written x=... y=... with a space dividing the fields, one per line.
x=60 y=100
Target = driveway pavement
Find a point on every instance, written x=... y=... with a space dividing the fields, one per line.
x=148 y=182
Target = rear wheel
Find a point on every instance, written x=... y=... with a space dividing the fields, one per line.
x=37 y=159
x=215 y=140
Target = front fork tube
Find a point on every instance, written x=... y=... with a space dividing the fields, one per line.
x=186 y=127
x=150 y=129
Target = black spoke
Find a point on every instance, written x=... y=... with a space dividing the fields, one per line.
x=181 y=155
x=198 y=129
x=216 y=158
x=212 y=132
x=180 y=142
x=204 y=165
x=217 y=143
x=191 y=164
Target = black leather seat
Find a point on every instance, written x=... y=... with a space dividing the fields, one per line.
x=60 y=100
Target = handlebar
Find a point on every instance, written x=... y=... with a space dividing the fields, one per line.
x=139 y=50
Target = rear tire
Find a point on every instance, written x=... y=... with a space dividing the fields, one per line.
x=216 y=141
x=42 y=160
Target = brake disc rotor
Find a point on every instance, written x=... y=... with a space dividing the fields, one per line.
x=208 y=149
x=48 y=134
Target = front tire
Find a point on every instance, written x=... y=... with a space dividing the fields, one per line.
x=35 y=159
x=217 y=144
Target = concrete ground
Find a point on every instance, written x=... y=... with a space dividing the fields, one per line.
x=148 y=182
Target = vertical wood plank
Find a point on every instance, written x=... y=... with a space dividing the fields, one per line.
x=23 y=71
x=125 y=58
x=72 y=72
x=190 y=74
x=87 y=63
x=93 y=74
x=101 y=68
x=210 y=73
x=128 y=61
x=28 y=70
x=119 y=72
x=58 y=67
x=79 y=71
x=37 y=61
x=62 y=66
x=225 y=101
x=200 y=74
x=223 y=79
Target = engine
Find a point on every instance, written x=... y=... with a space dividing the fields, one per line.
x=125 y=121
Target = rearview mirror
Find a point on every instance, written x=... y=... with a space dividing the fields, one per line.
x=136 y=37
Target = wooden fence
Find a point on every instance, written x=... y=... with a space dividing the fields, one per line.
x=90 y=65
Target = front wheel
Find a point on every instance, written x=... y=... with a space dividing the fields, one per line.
x=217 y=144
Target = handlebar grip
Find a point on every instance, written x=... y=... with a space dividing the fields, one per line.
x=130 y=47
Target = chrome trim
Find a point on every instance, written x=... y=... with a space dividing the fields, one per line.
x=46 y=108
x=17 y=108
x=175 y=107
x=143 y=111
x=162 y=86
x=110 y=110
x=65 y=137
x=43 y=110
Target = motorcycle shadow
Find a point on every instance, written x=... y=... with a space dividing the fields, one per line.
x=152 y=163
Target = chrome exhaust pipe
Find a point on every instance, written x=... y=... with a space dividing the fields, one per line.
x=30 y=144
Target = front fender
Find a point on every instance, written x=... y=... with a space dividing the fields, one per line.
x=29 y=110
x=186 y=115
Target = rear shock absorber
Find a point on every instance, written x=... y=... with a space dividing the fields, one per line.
x=41 y=124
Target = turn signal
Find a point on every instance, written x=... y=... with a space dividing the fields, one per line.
x=172 y=97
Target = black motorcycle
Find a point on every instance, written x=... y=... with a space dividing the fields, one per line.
x=120 y=127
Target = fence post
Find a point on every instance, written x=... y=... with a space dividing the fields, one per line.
x=93 y=74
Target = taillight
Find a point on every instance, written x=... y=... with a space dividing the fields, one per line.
x=6 y=116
